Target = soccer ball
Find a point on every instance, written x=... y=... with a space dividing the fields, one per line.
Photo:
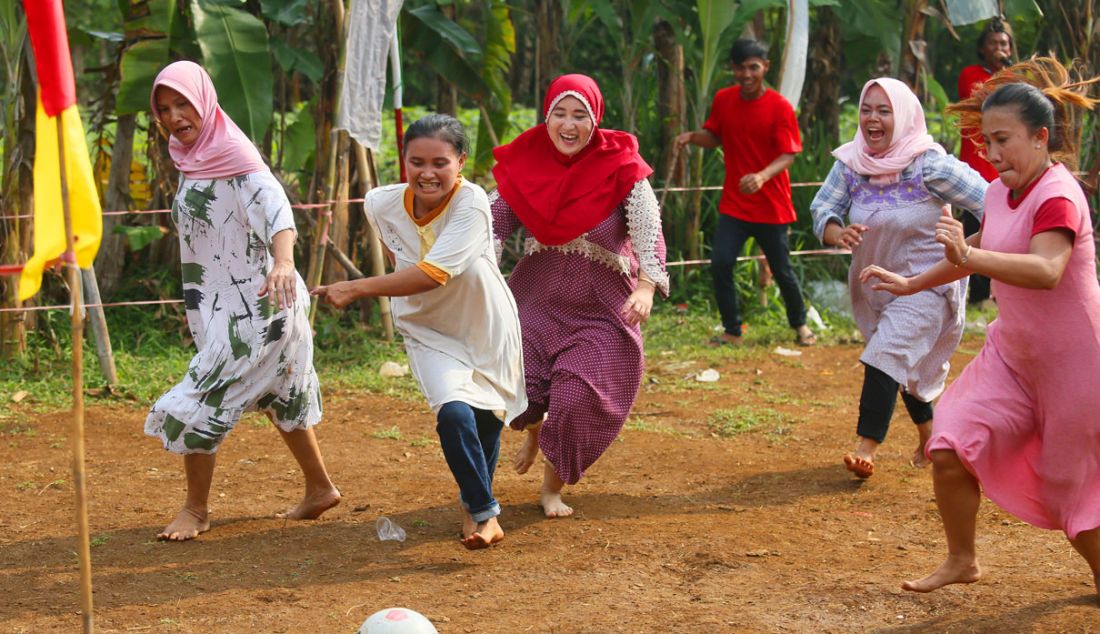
x=397 y=621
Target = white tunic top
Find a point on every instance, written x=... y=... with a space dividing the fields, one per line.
x=463 y=338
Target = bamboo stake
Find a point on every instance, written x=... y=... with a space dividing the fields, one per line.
x=77 y=430
x=99 y=326
x=369 y=180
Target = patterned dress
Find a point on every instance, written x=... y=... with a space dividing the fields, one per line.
x=909 y=338
x=1022 y=415
x=583 y=363
x=251 y=356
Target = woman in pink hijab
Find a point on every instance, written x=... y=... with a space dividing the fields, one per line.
x=246 y=304
x=882 y=199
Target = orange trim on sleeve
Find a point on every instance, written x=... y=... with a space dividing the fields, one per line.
x=434 y=272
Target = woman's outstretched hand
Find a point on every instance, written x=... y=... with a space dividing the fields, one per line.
x=888 y=281
x=949 y=233
x=280 y=283
x=338 y=295
x=637 y=307
x=851 y=236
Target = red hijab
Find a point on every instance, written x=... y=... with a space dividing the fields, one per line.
x=559 y=197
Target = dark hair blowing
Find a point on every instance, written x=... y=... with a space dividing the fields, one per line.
x=745 y=49
x=439 y=126
x=1043 y=95
x=994 y=25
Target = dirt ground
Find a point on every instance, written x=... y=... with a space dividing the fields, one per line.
x=677 y=529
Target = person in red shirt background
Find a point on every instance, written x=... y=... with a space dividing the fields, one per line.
x=758 y=132
x=995 y=46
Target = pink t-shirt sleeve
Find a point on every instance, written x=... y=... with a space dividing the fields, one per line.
x=1056 y=213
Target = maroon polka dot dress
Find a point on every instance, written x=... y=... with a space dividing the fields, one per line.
x=583 y=363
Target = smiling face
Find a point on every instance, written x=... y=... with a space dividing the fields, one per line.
x=1018 y=154
x=177 y=115
x=433 y=166
x=750 y=76
x=570 y=126
x=876 y=120
x=996 y=50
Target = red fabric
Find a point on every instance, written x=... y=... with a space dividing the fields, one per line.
x=753 y=134
x=969 y=78
x=46 y=26
x=559 y=197
x=1054 y=213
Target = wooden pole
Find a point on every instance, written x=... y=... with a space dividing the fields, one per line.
x=99 y=326
x=77 y=430
x=369 y=181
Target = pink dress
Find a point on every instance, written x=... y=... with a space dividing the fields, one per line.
x=1022 y=417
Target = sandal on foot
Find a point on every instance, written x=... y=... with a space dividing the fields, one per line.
x=862 y=467
x=718 y=341
x=805 y=341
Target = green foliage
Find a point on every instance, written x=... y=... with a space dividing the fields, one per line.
x=235 y=52
x=139 y=237
x=297 y=60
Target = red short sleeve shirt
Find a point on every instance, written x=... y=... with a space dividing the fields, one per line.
x=753 y=134
x=969 y=78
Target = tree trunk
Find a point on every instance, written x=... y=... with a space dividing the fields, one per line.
x=112 y=250
x=672 y=105
x=548 y=17
x=913 y=45
x=17 y=199
x=446 y=101
x=338 y=230
x=821 y=97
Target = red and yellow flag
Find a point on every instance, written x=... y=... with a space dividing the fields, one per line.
x=57 y=99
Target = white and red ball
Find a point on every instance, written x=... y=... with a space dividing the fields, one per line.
x=397 y=621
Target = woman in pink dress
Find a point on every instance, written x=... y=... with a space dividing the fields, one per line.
x=1020 y=424
x=594 y=257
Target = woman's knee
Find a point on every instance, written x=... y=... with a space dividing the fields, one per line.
x=946 y=462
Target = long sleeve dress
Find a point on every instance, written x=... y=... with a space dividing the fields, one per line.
x=250 y=355
x=1022 y=415
x=909 y=338
x=583 y=362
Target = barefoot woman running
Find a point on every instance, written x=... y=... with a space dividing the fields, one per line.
x=593 y=260
x=1019 y=424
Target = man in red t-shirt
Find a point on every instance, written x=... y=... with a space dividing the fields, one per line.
x=758 y=132
x=995 y=52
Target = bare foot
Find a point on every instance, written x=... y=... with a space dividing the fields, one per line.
x=469 y=526
x=488 y=533
x=312 y=506
x=552 y=504
x=919 y=459
x=189 y=524
x=949 y=572
x=725 y=339
x=861 y=465
x=528 y=452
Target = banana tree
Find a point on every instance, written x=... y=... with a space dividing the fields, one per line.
x=480 y=72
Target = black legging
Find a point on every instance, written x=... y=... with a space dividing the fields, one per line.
x=979 y=284
x=876 y=404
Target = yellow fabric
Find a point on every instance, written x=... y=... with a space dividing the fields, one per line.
x=49 y=220
x=434 y=271
x=424 y=224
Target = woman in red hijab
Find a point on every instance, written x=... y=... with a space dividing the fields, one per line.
x=593 y=258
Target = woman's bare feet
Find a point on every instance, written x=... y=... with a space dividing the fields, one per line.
x=552 y=504
x=528 y=452
x=469 y=526
x=949 y=572
x=189 y=524
x=312 y=505
x=486 y=534
x=919 y=459
x=861 y=462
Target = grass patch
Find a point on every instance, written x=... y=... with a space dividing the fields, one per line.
x=727 y=423
x=392 y=433
x=638 y=424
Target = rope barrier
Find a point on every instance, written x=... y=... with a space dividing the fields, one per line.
x=746 y=258
x=27 y=309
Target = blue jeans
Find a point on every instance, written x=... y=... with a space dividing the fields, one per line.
x=729 y=241
x=471 y=444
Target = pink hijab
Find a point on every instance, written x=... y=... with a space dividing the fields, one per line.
x=910 y=140
x=222 y=149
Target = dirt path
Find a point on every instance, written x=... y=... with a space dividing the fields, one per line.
x=678 y=529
